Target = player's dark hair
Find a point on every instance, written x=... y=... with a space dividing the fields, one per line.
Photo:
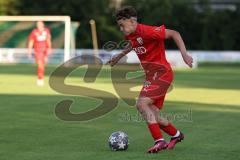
x=126 y=12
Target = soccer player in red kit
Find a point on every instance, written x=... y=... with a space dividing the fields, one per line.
x=148 y=42
x=40 y=39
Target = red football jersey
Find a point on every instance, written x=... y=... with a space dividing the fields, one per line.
x=148 y=43
x=40 y=39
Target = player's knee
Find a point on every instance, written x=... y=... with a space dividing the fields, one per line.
x=139 y=104
x=163 y=122
x=40 y=64
x=142 y=103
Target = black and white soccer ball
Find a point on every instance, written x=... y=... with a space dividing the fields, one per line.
x=118 y=141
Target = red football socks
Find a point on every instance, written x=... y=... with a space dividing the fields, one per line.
x=169 y=129
x=40 y=72
x=155 y=131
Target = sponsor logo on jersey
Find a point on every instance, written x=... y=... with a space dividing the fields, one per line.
x=41 y=36
x=140 y=50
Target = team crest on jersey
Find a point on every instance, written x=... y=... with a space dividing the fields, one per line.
x=140 y=40
x=157 y=29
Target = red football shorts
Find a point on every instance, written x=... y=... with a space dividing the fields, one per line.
x=40 y=56
x=156 y=87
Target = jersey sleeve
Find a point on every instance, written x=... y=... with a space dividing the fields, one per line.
x=155 y=33
x=32 y=36
x=132 y=42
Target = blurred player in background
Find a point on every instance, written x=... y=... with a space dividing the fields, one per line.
x=148 y=42
x=40 y=40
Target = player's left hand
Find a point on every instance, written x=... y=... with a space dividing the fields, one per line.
x=188 y=60
x=46 y=59
x=49 y=51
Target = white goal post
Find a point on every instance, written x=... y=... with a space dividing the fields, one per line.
x=65 y=19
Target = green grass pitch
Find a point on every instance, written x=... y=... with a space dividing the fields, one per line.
x=207 y=96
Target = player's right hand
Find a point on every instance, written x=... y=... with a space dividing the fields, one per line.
x=117 y=57
x=112 y=62
x=49 y=51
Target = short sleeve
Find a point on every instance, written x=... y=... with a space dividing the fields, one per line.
x=31 y=36
x=132 y=42
x=153 y=32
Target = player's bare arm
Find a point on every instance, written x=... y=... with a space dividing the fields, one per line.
x=180 y=43
x=49 y=44
x=116 y=58
x=30 y=48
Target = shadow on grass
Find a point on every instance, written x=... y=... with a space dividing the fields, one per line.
x=30 y=129
x=44 y=105
x=216 y=77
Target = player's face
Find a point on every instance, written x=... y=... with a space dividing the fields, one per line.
x=40 y=25
x=127 y=26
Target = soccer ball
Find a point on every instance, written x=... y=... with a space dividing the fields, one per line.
x=118 y=141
